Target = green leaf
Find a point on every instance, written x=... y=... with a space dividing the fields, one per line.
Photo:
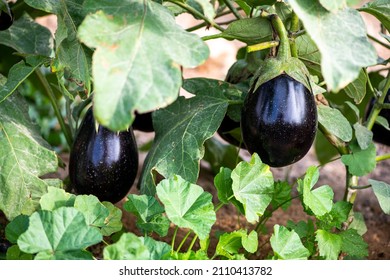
x=182 y=128
x=353 y=244
x=157 y=249
x=223 y=183
x=319 y=200
x=249 y=30
x=56 y=198
x=71 y=55
x=305 y=232
x=340 y=63
x=324 y=150
x=253 y=186
x=309 y=54
x=329 y=244
x=334 y=121
x=382 y=193
x=187 y=205
x=113 y=222
x=336 y=217
x=24 y=158
x=138 y=45
x=94 y=211
x=363 y=136
x=282 y=195
x=149 y=213
x=18 y=74
x=333 y=5
x=229 y=244
x=14 y=253
x=218 y=154
x=357 y=89
x=287 y=245
x=16 y=227
x=60 y=234
x=358 y=223
x=354 y=108
x=205 y=7
x=27 y=37
x=383 y=122
x=380 y=9
x=360 y=162
x=129 y=247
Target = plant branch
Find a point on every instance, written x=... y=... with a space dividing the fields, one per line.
x=378 y=41
x=382 y=157
x=211 y=37
x=51 y=96
x=293 y=29
x=340 y=145
x=195 y=13
x=262 y=46
x=233 y=9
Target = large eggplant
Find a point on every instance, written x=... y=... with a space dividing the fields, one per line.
x=102 y=162
x=279 y=121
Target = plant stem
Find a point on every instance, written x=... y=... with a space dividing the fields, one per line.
x=378 y=104
x=204 y=24
x=293 y=29
x=382 y=157
x=378 y=41
x=192 y=243
x=262 y=46
x=183 y=241
x=284 y=51
x=360 y=187
x=51 y=96
x=336 y=142
x=214 y=36
x=173 y=239
x=231 y=7
x=195 y=13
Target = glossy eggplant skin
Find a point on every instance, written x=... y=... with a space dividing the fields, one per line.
x=6 y=20
x=380 y=134
x=279 y=121
x=103 y=163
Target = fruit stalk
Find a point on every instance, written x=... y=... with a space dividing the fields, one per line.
x=50 y=95
x=284 y=51
x=294 y=28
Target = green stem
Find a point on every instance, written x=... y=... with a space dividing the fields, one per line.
x=350 y=190
x=211 y=37
x=360 y=187
x=173 y=239
x=368 y=80
x=382 y=157
x=183 y=241
x=293 y=29
x=284 y=51
x=195 y=13
x=262 y=46
x=204 y=24
x=233 y=9
x=192 y=243
x=336 y=142
x=378 y=41
x=378 y=104
x=51 y=96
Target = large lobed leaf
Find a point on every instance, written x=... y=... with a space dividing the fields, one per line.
x=24 y=158
x=287 y=245
x=253 y=186
x=181 y=130
x=71 y=55
x=187 y=205
x=347 y=52
x=138 y=52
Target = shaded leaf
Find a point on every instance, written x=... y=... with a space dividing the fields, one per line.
x=357 y=89
x=340 y=63
x=149 y=213
x=334 y=121
x=229 y=244
x=353 y=244
x=253 y=186
x=363 y=136
x=113 y=222
x=380 y=9
x=309 y=54
x=24 y=158
x=187 y=205
x=181 y=130
x=56 y=198
x=382 y=193
x=360 y=162
x=358 y=223
x=287 y=245
x=249 y=30
x=282 y=195
x=138 y=45
x=16 y=227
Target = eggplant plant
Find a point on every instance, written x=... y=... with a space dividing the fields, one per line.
x=291 y=89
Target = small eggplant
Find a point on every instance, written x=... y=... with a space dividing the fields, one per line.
x=102 y=162
x=279 y=121
x=6 y=20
